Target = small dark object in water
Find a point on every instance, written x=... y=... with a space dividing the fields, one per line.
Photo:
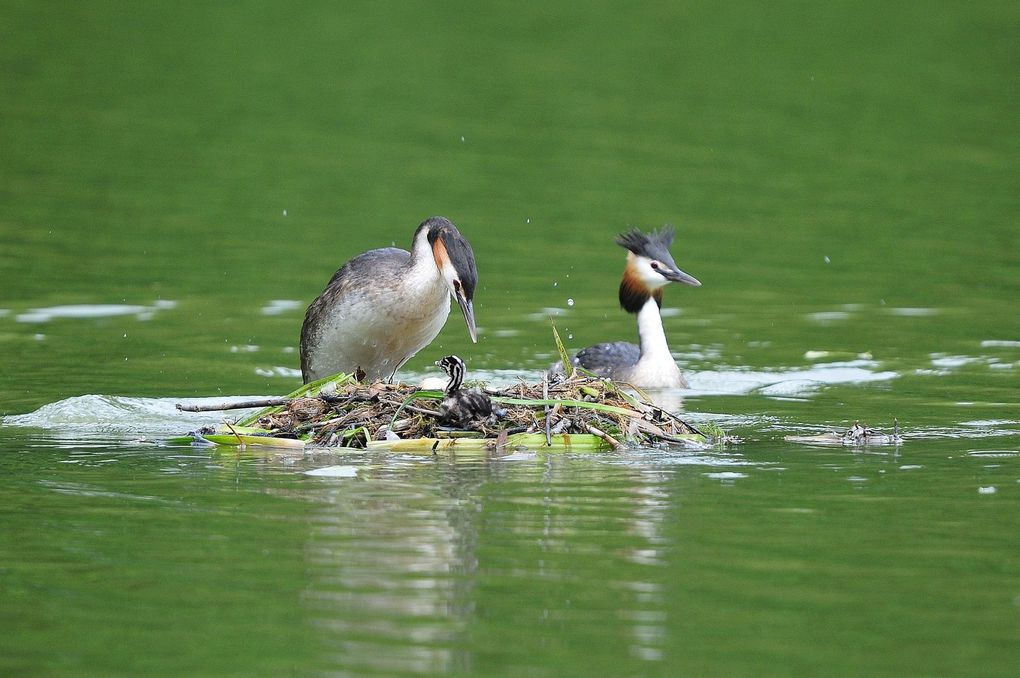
x=863 y=435
x=857 y=435
x=460 y=408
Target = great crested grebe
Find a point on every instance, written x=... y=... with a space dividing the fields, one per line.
x=385 y=305
x=650 y=267
x=460 y=408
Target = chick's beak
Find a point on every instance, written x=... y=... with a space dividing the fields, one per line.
x=469 y=314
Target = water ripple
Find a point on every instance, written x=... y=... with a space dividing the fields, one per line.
x=792 y=382
x=101 y=414
x=84 y=311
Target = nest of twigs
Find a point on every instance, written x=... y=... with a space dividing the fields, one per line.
x=352 y=414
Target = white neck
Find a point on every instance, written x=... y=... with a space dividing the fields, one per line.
x=656 y=367
x=423 y=277
x=422 y=271
x=421 y=250
x=653 y=338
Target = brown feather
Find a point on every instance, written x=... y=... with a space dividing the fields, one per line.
x=633 y=292
x=440 y=254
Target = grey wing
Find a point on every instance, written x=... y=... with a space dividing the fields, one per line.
x=371 y=266
x=371 y=269
x=605 y=358
x=367 y=271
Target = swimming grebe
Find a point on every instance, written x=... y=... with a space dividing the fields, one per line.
x=650 y=267
x=461 y=408
x=385 y=305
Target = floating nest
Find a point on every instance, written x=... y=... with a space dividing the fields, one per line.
x=581 y=412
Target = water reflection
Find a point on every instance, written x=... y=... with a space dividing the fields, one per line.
x=389 y=558
x=411 y=564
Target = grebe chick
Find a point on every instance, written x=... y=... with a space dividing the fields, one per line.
x=385 y=305
x=650 y=267
x=460 y=408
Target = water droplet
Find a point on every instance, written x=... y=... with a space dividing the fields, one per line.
x=556 y=284
x=284 y=212
x=462 y=140
x=826 y=258
x=570 y=302
x=570 y=336
x=528 y=220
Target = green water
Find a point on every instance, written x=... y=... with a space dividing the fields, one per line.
x=843 y=179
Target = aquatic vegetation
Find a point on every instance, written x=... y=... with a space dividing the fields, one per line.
x=581 y=412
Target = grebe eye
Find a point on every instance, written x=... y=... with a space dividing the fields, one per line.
x=655 y=265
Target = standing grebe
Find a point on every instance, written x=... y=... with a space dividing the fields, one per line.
x=650 y=267
x=385 y=305
x=460 y=408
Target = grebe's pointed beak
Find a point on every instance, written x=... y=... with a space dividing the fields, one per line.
x=468 y=310
x=676 y=275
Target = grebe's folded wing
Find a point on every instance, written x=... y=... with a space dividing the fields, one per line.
x=604 y=358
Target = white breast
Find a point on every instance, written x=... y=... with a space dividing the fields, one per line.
x=377 y=328
x=657 y=373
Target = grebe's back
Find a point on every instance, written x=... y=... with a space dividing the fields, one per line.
x=608 y=359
